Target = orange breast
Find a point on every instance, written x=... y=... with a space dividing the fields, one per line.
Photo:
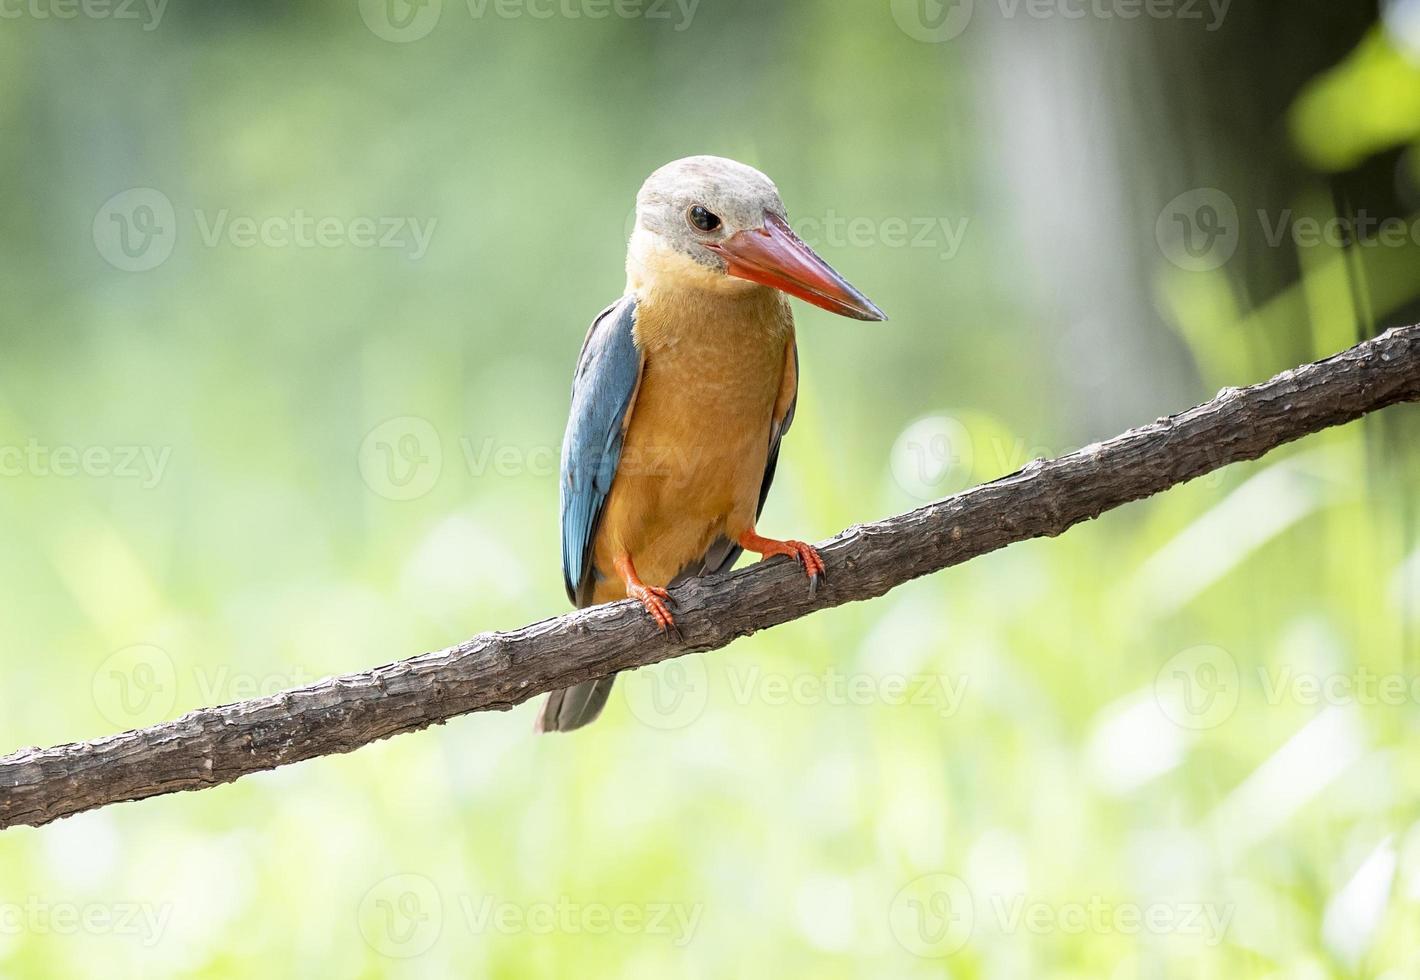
x=695 y=451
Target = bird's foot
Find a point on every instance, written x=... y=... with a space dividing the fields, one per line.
x=805 y=554
x=654 y=599
x=658 y=603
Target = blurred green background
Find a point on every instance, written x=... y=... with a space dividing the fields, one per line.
x=292 y=298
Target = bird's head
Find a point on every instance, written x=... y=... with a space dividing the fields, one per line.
x=716 y=224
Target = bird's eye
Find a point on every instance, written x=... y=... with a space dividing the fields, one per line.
x=703 y=218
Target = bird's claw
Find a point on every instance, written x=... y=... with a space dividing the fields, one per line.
x=805 y=554
x=658 y=602
x=811 y=562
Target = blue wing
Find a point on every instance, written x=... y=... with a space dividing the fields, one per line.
x=608 y=373
x=777 y=436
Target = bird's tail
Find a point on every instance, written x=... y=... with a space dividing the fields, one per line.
x=569 y=710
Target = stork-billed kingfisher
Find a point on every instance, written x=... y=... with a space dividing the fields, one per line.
x=683 y=392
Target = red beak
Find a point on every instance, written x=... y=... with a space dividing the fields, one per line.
x=775 y=256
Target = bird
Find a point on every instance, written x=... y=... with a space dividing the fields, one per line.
x=683 y=392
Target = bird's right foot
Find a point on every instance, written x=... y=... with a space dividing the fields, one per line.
x=657 y=602
x=654 y=599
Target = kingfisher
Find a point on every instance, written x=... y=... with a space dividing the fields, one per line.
x=683 y=392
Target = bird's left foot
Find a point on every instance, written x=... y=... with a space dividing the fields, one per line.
x=805 y=554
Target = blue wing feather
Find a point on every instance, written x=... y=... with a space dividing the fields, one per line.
x=777 y=437
x=603 y=390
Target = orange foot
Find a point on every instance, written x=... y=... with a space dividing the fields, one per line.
x=656 y=600
x=805 y=554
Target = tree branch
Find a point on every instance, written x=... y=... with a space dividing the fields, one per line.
x=499 y=670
